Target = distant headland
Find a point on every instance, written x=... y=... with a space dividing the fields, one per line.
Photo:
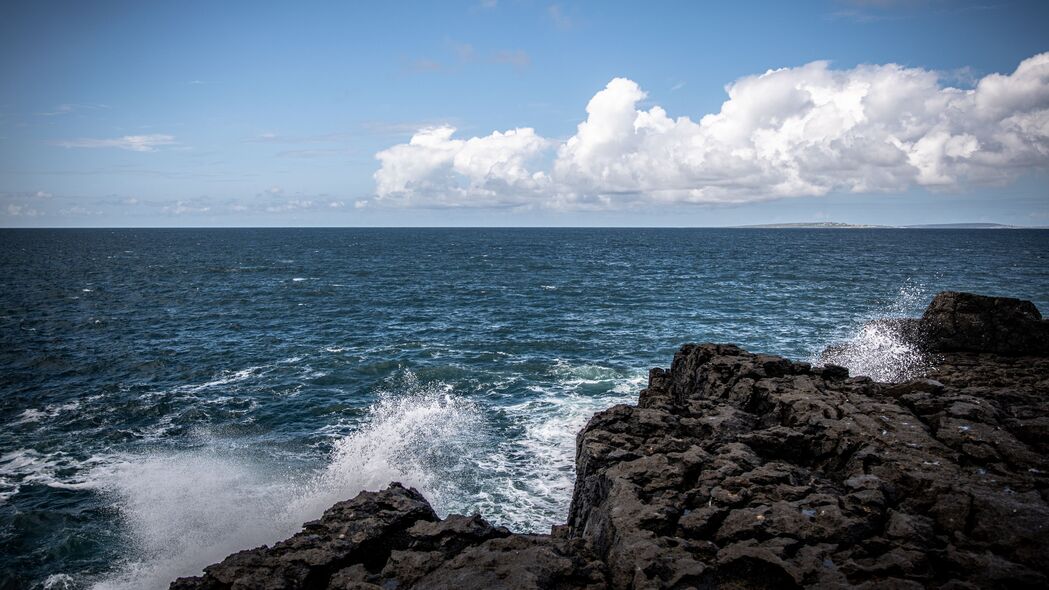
x=839 y=225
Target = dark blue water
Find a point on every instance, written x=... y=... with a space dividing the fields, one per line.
x=170 y=396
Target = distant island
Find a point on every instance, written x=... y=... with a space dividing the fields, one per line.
x=966 y=226
x=813 y=225
x=839 y=225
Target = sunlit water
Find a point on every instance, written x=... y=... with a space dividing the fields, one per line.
x=170 y=396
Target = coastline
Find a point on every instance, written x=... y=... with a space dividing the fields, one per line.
x=739 y=469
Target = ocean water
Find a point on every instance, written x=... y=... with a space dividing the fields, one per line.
x=170 y=396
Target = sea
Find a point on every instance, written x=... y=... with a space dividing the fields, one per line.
x=170 y=396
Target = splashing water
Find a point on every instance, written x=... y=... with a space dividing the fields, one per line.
x=876 y=348
x=423 y=439
x=185 y=510
x=532 y=476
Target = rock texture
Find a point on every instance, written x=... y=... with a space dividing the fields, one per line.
x=740 y=470
x=393 y=539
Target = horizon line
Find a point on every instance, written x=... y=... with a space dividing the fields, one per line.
x=787 y=226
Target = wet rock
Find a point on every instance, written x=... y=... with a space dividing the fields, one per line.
x=739 y=470
x=392 y=539
x=808 y=477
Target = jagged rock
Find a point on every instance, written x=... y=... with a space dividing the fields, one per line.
x=739 y=470
x=964 y=322
x=807 y=477
x=392 y=539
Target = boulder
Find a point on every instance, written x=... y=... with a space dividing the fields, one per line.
x=964 y=322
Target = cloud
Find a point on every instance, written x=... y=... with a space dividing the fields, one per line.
x=872 y=11
x=463 y=55
x=25 y=203
x=558 y=16
x=804 y=131
x=425 y=65
x=17 y=210
x=135 y=143
x=271 y=137
x=67 y=108
x=191 y=207
x=77 y=211
x=464 y=51
x=435 y=170
x=518 y=59
x=312 y=154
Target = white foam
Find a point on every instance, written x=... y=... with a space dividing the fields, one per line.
x=422 y=439
x=185 y=510
x=876 y=349
x=226 y=378
x=30 y=415
x=182 y=511
x=29 y=466
x=59 y=582
x=878 y=352
x=49 y=411
x=532 y=478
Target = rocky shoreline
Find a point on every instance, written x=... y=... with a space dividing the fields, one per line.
x=741 y=470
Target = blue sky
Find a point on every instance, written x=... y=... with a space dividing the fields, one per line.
x=234 y=114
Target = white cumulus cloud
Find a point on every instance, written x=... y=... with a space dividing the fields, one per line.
x=436 y=170
x=802 y=131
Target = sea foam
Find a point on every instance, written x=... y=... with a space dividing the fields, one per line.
x=184 y=510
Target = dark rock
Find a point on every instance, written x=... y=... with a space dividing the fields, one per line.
x=392 y=539
x=738 y=470
x=964 y=322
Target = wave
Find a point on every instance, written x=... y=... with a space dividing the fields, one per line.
x=185 y=510
x=513 y=461
x=28 y=466
x=531 y=476
x=876 y=348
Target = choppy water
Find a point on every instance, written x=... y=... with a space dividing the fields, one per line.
x=170 y=396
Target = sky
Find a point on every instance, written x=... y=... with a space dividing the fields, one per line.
x=523 y=113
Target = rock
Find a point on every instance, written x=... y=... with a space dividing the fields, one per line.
x=740 y=470
x=964 y=322
x=362 y=531
x=392 y=539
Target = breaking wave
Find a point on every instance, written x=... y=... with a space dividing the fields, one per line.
x=876 y=348
x=185 y=510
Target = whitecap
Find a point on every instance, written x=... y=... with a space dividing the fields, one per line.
x=30 y=415
x=59 y=582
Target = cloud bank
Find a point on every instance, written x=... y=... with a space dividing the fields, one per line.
x=802 y=131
